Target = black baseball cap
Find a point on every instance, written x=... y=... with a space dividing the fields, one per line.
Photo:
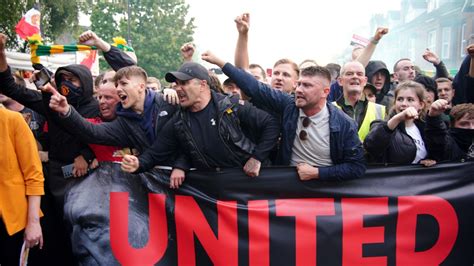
x=188 y=71
x=371 y=88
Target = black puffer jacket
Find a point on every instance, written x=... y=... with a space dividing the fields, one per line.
x=391 y=146
x=382 y=97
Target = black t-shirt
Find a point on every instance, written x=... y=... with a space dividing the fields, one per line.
x=205 y=132
x=36 y=125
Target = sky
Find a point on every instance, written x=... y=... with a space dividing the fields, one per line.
x=294 y=29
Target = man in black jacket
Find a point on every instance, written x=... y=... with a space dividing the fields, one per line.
x=455 y=143
x=75 y=82
x=141 y=114
x=210 y=129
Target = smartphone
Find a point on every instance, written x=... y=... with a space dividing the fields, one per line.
x=67 y=171
x=42 y=78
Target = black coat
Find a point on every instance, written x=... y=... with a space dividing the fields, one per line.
x=125 y=130
x=35 y=100
x=245 y=130
x=440 y=143
x=391 y=146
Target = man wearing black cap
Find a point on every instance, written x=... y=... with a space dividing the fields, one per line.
x=370 y=92
x=211 y=129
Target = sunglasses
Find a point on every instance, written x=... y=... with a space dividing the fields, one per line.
x=303 y=134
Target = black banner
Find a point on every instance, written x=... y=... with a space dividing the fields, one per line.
x=407 y=215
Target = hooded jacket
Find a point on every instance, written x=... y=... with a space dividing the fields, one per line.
x=35 y=100
x=382 y=97
x=87 y=84
x=87 y=107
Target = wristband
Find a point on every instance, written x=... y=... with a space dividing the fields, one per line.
x=372 y=40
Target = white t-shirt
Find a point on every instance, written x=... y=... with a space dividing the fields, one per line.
x=315 y=150
x=414 y=133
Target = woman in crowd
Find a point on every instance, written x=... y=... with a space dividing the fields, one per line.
x=400 y=140
x=21 y=187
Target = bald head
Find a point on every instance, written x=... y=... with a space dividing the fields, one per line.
x=352 y=78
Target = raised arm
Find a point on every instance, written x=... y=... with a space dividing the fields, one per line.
x=470 y=51
x=369 y=50
x=437 y=139
x=463 y=82
x=187 y=51
x=433 y=58
x=3 y=54
x=262 y=94
x=29 y=98
x=115 y=57
x=241 y=57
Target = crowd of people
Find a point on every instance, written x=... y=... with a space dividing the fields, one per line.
x=329 y=122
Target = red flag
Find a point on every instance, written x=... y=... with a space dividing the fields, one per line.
x=29 y=24
x=89 y=60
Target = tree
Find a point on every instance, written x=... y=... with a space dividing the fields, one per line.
x=158 y=29
x=57 y=17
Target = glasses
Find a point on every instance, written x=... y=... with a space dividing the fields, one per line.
x=303 y=134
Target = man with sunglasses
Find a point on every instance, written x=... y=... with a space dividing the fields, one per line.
x=317 y=137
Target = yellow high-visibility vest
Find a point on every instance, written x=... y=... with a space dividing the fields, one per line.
x=374 y=112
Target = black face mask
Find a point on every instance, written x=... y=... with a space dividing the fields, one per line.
x=463 y=137
x=72 y=92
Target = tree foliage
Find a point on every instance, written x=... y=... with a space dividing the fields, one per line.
x=57 y=17
x=158 y=28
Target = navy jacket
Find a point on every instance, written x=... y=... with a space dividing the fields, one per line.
x=347 y=153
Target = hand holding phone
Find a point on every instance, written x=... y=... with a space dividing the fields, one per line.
x=42 y=78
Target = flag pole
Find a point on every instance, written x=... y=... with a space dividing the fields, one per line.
x=128 y=22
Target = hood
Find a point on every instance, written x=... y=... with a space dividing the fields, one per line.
x=84 y=75
x=374 y=67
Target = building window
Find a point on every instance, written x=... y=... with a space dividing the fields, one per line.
x=432 y=5
x=446 y=43
x=463 y=40
x=432 y=40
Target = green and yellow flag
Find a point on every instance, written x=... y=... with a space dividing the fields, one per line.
x=38 y=49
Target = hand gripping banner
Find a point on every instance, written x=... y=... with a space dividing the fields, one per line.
x=407 y=215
